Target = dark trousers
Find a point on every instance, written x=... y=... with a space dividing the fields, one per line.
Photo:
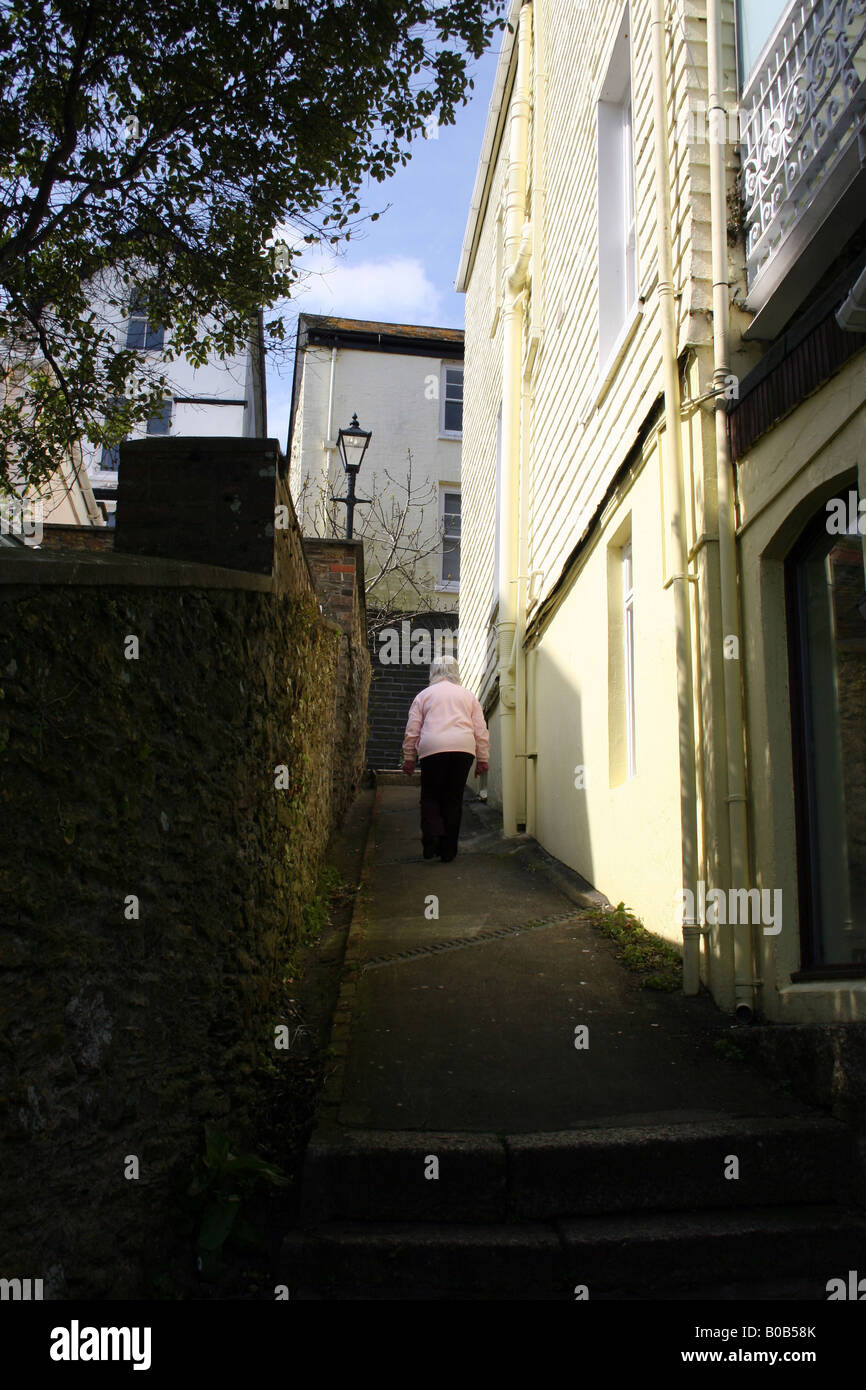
x=443 y=777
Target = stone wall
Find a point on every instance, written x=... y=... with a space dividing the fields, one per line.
x=222 y=513
x=823 y=1064
x=154 y=876
x=337 y=571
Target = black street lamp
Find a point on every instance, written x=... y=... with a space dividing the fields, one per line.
x=352 y=444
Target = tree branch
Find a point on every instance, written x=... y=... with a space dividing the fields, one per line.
x=22 y=239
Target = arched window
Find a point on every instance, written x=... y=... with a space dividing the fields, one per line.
x=827 y=650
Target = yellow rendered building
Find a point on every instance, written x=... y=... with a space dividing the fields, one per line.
x=664 y=451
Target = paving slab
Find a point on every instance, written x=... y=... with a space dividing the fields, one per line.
x=712 y=1255
x=480 y=1261
x=465 y=1021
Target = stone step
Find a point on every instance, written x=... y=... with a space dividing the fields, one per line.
x=670 y=1255
x=380 y=1176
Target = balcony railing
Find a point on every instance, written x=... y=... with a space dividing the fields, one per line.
x=802 y=108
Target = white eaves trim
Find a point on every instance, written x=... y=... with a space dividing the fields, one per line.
x=489 y=146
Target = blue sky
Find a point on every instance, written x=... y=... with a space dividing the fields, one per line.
x=402 y=267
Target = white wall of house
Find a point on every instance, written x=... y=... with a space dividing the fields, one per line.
x=222 y=397
x=195 y=417
x=400 y=398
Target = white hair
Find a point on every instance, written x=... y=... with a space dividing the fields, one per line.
x=444 y=668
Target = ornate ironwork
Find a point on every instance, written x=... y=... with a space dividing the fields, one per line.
x=802 y=107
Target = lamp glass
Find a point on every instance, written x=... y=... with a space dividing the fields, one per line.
x=352 y=443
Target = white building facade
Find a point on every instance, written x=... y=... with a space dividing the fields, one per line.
x=405 y=384
x=223 y=397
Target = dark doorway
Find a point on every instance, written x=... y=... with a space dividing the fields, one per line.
x=827 y=650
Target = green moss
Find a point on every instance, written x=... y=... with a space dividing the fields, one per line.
x=227 y=685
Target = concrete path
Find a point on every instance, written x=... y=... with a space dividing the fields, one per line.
x=465 y=1021
x=556 y=1168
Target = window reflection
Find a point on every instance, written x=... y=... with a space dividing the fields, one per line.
x=829 y=690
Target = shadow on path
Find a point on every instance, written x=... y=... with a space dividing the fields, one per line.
x=468 y=979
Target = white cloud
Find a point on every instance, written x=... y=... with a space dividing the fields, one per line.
x=394 y=290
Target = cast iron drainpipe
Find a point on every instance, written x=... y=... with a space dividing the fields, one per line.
x=674 y=473
x=744 y=964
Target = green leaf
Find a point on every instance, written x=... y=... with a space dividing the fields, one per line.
x=249 y=118
x=217 y=1221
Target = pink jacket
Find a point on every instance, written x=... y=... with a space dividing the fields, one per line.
x=445 y=718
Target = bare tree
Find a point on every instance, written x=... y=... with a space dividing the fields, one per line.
x=398 y=540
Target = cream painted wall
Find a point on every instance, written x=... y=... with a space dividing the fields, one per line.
x=67 y=499
x=397 y=397
x=585 y=421
x=493 y=779
x=785 y=479
x=625 y=838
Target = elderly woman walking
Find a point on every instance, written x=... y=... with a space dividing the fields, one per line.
x=445 y=730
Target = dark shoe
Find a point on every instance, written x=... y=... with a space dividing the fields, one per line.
x=430 y=850
x=448 y=856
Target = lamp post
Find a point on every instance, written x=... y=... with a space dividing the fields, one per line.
x=352 y=444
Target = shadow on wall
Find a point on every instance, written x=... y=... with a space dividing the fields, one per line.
x=561 y=772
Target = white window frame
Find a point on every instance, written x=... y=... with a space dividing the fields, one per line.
x=617 y=240
x=443 y=383
x=628 y=644
x=152 y=334
x=447 y=586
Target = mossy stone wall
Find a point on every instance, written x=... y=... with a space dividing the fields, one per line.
x=153 y=778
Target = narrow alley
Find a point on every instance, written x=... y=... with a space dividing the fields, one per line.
x=512 y=1115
